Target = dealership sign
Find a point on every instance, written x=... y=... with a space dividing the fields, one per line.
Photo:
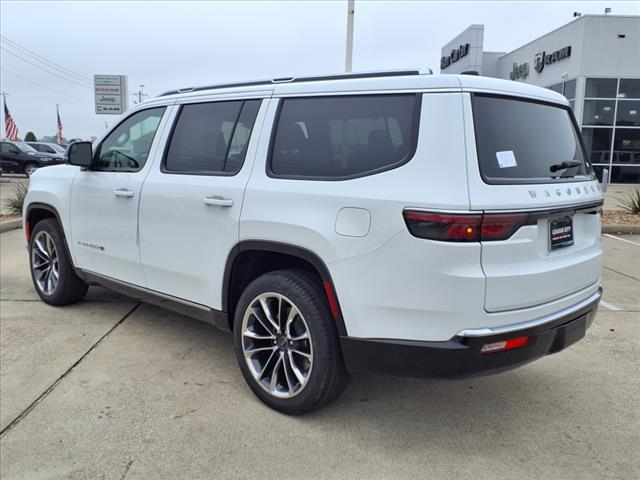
x=543 y=58
x=519 y=71
x=110 y=93
x=455 y=55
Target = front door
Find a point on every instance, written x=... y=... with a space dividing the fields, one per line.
x=191 y=205
x=105 y=199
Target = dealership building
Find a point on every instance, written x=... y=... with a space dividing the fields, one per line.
x=594 y=61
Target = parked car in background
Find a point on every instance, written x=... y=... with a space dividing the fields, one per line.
x=19 y=157
x=49 y=148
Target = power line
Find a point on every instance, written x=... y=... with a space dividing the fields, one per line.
x=44 y=69
x=54 y=65
x=44 y=86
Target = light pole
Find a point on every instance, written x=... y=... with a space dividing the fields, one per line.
x=349 y=54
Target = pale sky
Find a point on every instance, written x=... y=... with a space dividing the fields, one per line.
x=171 y=44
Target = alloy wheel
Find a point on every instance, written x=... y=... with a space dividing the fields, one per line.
x=276 y=343
x=44 y=263
x=31 y=169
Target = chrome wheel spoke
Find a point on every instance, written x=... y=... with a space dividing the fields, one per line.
x=296 y=371
x=274 y=373
x=266 y=365
x=267 y=312
x=265 y=324
x=253 y=351
x=44 y=263
x=304 y=336
x=257 y=336
x=277 y=346
x=41 y=249
x=303 y=354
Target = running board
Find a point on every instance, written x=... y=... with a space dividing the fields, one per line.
x=200 y=312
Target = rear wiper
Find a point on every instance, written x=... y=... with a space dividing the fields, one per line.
x=564 y=165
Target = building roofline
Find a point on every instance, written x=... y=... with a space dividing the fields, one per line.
x=574 y=20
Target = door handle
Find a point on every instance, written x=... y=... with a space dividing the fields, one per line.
x=218 y=201
x=123 y=192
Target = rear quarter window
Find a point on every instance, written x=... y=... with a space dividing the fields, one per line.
x=335 y=138
x=521 y=141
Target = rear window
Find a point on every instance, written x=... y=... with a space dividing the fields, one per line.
x=521 y=141
x=344 y=137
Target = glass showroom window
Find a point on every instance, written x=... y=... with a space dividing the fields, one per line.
x=611 y=127
x=568 y=89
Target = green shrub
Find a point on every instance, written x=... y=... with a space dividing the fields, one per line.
x=14 y=204
x=631 y=201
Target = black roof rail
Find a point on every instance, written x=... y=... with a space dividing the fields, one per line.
x=339 y=76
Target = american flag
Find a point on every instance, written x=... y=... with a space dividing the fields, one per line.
x=11 y=131
x=60 y=130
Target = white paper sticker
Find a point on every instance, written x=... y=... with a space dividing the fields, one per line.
x=506 y=159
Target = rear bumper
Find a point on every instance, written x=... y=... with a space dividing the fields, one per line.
x=460 y=356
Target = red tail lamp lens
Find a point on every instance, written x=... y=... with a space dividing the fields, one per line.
x=471 y=227
x=439 y=226
x=501 y=226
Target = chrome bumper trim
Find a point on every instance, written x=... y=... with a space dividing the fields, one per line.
x=482 y=332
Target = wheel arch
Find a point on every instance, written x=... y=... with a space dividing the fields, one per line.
x=38 y=211
x=251 y=258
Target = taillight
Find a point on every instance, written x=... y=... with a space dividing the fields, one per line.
x=463 y=227
x=498 y=226
x=441 y=226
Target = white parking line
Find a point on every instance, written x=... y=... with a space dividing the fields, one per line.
x=610 y=306
x=621 y=239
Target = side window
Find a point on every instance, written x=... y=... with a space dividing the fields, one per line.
x=344 y=137
x=127 y=147
x=4 y=147
x=211 y=138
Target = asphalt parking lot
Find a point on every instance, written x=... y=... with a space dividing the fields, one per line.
x=109 y=389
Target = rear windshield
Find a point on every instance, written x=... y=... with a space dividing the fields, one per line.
x=521 y=141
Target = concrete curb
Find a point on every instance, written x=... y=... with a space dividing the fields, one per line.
x=622 y=229
x=7 y=225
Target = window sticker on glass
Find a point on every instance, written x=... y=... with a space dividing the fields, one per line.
x=506 y=159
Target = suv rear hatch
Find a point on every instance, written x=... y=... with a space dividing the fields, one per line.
x=526 y=161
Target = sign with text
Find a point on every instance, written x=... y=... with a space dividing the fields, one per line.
x=110 y=94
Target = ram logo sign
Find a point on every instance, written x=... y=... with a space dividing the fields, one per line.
x=543 y=58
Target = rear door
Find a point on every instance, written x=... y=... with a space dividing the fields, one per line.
x=526 y=162
x=191 y=203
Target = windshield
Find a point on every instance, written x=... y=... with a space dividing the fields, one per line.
x=26 y=148
x=58 y=148
x=521 y=141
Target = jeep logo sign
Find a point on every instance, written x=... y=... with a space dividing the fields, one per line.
x=454 y=56
x=519 y=71
x=542 y=59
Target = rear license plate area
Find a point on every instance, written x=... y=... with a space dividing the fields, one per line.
x=560 y=232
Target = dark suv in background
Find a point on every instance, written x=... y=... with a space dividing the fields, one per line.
x=18 y=157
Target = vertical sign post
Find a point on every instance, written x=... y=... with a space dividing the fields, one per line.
x=111 y=93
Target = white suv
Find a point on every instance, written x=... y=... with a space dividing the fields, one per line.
x=388 y=222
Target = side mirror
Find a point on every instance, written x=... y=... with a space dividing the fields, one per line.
x=80 y=154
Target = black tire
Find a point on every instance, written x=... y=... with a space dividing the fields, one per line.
x=27 y=168
x=70 y=288
x=328 y=376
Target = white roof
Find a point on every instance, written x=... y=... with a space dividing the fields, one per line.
x=403 y=83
